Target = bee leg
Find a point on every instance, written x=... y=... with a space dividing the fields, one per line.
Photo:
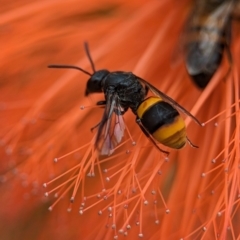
x=92 y=128
x=146 y=90
x=191 y=144
x=138 y=121
x=103 y=102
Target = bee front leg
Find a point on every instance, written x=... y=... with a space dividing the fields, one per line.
x=145 y=131
x=100 y=103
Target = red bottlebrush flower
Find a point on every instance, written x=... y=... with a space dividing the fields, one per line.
x=137 y=191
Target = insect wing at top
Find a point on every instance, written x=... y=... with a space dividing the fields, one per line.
x=207 y=35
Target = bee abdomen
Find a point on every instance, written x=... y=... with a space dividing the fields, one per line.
x=163 y=122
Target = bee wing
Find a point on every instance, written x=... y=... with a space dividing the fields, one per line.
x=111 y=128
x=166 y=98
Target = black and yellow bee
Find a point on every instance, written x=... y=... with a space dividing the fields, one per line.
x=156 y=115
x=207 y=34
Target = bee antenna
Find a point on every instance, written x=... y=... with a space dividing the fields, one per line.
x=89 y=56
x=69 y=66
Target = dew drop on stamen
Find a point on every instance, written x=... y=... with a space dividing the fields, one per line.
x=121 y=231
x=82 y=107
x=128 y=151
x=203 y=175
x=105 y=197
x=72 y=199
x=115 y=237
x=213 y=160
x=167 y=211
x=100 y=212
x=134 y=190
x=46 y=194
x=216 y=124
x=140 y=235
x=137 y=223
x=125 y=233
x=204 y=229
x=105 y=170
x=153 y=192
x=133 y=143
x=128 y=226
x=81 y=212
x=56 y=195
x=119 y=192
x=156 y=222
x=219 y=214
x=113 y=226
x=50 y=209
x=145 y=202
x=110 y=209
x=69 y=210
x=55 y=160
x=108 y=179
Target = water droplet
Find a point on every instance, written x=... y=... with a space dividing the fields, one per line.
x=145 y=202
x=81 y=212
x=140 y=235
x=219 y=214
x=121 y=231
x=213 y=160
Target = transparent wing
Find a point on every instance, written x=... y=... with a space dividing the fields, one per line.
x=111 y=128
x=166 y=98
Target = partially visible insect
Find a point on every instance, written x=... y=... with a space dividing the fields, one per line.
x=207 y=34
x=156 y=115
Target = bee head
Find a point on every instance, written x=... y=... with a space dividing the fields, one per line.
x=94 y=84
